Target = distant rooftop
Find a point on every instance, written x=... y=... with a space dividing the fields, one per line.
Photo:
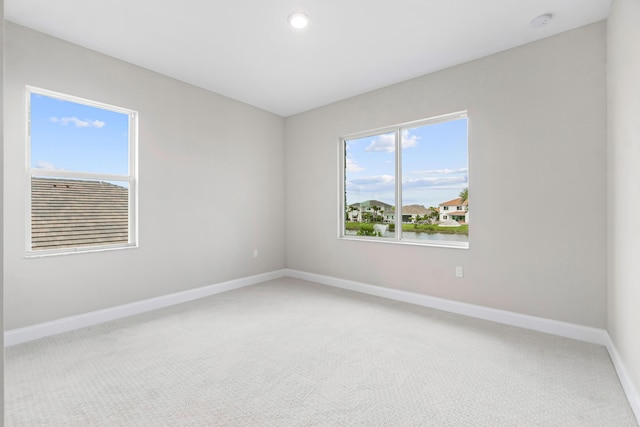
x=455 y=202
x=71 y=213
x=371 y=203
x=416 y=210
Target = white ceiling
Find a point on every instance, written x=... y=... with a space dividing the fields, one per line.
x=245 y=49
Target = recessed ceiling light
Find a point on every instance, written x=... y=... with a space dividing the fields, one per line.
x=298 y=20
x=542 y=20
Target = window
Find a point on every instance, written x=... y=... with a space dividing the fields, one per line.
x=81 y=172
x=416 y=169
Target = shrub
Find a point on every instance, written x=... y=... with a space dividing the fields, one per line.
x=366 y=230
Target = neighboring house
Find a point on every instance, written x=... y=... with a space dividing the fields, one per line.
x=455 y=210
x=374 y=210
x=410 y=213
x=72 y=213
x=361 y=212
x=383 y=212
x=353 y=212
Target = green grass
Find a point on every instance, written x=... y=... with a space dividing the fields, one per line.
x=366 y=229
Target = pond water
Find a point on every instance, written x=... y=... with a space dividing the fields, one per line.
x=410 y=235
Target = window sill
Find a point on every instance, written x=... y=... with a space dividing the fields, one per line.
x=430 y=243
x=73 y=251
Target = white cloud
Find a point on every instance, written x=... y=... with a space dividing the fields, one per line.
x=97 y=123
x=440 y=171
x=353 y=166
x=79 y=123
x=371 y=184
x=380 y=187
x=387 y=142
x=374 y=180
x=440 y=179
x=409 y=140
x=45 y=165
x=438 y=182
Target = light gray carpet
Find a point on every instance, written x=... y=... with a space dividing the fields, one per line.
x=294 y=353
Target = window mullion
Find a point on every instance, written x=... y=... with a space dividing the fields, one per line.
x=398 y=182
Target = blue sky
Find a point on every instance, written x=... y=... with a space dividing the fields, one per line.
x=69 y=136
x=434 y=165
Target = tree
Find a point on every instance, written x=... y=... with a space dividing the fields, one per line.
x=375 y=211
x=434 y=214
x=464 y=195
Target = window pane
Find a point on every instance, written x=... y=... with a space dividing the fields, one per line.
x=81 y=174
x=69 y=136
x=434 y=181
x=370 y=186
x=67 y=213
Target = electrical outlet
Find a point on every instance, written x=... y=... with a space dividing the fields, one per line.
x=459 y=272
x=255 y=253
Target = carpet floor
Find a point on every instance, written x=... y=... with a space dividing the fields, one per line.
x=294 y=353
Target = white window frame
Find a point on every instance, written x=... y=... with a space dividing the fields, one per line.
x=131 y=178
x=397 y=129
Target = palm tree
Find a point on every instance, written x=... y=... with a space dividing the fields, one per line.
x=375 y=210
x=464 y=195
x=434 y=214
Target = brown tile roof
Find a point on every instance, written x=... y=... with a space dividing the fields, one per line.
x=455 y=202
x=71 y=213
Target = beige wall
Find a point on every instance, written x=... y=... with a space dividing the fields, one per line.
x=212 y=173
x=623 y=55
x=210 y=186
x=537 y=142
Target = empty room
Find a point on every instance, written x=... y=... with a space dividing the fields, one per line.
x=298 y=213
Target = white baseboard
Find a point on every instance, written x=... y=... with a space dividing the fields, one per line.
x=554 y=327
x=30 y=333
x=627 y=384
